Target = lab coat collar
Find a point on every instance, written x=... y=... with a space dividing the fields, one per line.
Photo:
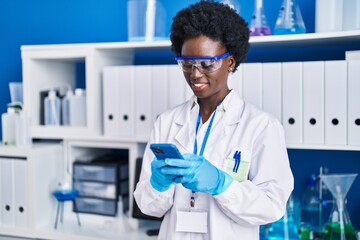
x=233 y=108
x=223 y=106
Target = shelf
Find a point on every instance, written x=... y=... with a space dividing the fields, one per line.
x=262 y=41
x=324 y=147
x=307 y=39
x=92 y=228
x=95 y=227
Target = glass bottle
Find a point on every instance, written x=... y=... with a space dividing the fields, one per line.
x=258 y=25
x=290 y=20
x=310 y=213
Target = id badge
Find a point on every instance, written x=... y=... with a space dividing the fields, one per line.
x=191 y=222
x=238 y=167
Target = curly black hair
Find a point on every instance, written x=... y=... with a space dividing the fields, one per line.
x=216 y=21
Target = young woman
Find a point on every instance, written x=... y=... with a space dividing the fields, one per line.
x=235 y=175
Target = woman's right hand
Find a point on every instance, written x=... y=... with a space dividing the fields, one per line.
x=160 y=181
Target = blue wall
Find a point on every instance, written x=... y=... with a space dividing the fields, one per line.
x=68 y=21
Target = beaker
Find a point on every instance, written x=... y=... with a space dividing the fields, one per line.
x=258 y=25
x=146 y=20
x=339 y=226
x=290 y=20
x=16 y=93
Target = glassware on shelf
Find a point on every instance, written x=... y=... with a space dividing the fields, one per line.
x=234 y=4
x=339 y=226
x=310 y=212
x=146 y=20
x=290 y=20
x=258 y=25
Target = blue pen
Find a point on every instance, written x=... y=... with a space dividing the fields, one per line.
x=235 y=160
x=238 y=156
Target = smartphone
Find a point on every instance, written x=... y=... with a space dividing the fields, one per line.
x=165 y=150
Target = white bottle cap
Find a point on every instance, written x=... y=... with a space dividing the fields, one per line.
x=79 y=92
x=52 y=94
x=11 y=110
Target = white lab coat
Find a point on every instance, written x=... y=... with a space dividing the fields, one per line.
x=237 y=212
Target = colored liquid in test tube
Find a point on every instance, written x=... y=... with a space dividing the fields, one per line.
x=258 y=25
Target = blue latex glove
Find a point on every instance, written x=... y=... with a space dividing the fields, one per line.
x=158 y=179
x=198 y=174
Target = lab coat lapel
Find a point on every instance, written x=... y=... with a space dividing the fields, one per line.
x=185 y=134
x=223 y=129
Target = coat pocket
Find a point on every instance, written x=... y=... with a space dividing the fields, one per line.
x=237 y=165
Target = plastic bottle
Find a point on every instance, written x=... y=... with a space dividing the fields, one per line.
x=78 y=108
x=65 y=108
x=22 y=129
x=287 y=226
x=310 y=214
x=15 y=126
x=52 y=109
x=8 y=120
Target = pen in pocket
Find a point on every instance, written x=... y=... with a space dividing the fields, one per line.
x=237 y=158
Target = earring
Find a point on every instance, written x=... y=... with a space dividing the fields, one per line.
x=230 y=69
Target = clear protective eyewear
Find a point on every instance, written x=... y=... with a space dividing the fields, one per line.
x=203 y=64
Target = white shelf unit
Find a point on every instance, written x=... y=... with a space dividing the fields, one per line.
x=39 y=204
x=45 y=166
x=78 y=148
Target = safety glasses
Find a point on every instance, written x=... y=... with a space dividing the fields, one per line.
x=203 y=64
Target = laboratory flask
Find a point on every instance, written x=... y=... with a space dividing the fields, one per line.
x=234 y=4
x=339 y=226
x=290 y=20
x=258 y=24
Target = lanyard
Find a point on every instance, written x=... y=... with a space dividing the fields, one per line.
x=206 y=134
x=193 y=195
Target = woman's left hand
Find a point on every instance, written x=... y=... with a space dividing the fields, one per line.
x=198 y=174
